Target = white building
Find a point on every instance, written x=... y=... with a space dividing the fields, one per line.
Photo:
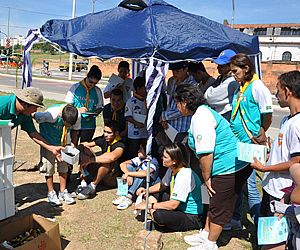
x=278 y=42
x=16 y=40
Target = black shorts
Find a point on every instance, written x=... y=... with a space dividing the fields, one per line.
x=228 y=188
x=265 y=209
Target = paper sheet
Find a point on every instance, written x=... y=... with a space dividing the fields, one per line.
x=204 y=194
x=271 y=230
x=247 y=151
x=122 y=187
x=171 y=132
x=115 y=80
x=139 y=118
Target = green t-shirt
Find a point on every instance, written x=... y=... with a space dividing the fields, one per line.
x=8 y=112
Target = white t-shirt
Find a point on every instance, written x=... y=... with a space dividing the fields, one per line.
x=184 y=184
x=285 y=146
x=134 y=105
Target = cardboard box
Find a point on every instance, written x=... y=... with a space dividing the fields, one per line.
x=48 y=240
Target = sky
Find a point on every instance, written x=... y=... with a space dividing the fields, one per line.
x=27 y=14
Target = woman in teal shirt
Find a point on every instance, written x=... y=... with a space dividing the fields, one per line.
x=215 y=145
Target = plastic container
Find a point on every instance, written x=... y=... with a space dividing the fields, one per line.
x=7 y=202
x=70 y=155
x=5 y=138
x=6 y=172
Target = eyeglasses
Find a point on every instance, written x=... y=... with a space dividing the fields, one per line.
x=91 y=81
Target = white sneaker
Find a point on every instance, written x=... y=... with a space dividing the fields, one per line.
x=125 y=204
x=86 y=192
x=77 y=191
x=233 y=225
x=196 y=239
x=118 y=200
x=205 y=245
x=66 y=197
x=53 y=199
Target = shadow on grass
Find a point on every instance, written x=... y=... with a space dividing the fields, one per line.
x=42 y=208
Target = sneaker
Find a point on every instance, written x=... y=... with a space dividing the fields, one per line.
x=196 y=239
x=233 y=225
x=77 y=191
x=125 y=204
x=118 y=200
x=86 y=192
x=205 y=245
x=66 y=197
x=53 y=199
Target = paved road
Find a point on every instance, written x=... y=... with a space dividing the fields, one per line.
x=57 y=89
x=52 y=88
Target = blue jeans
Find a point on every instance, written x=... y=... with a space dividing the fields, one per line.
x=138 y=182
x=254 y=200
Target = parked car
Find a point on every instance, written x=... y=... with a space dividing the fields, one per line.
x=76 y=65
x=83 y=65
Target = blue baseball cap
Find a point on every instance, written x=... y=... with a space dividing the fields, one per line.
x=224 y=57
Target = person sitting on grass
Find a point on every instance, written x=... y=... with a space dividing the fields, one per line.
x=112 y=148
x=115 y=111
x=177 y=203
x=54 y=124
x=135 y=172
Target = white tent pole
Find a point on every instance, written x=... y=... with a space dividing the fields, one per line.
x=147 y=194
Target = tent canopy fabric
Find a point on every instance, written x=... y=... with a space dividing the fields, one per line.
x=142 y=29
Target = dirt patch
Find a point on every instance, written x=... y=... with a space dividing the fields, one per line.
x=94 y=223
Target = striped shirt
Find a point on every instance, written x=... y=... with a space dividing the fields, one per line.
x=172 y=115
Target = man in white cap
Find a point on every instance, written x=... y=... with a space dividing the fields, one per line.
x=19 y=107
x=220 y=95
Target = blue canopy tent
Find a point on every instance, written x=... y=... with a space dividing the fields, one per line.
x=146 y=29
x=142 y=29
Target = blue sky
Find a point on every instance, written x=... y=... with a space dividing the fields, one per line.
x=26 y=14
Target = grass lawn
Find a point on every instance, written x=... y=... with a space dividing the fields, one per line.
x=96 y=223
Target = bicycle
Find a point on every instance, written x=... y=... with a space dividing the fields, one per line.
x=46 y=72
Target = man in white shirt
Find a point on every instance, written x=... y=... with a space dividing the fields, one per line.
x=285 y=150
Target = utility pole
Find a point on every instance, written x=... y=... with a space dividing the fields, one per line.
x=8 y=19
x=232 y=19
x=93 y=7
x=71 y=54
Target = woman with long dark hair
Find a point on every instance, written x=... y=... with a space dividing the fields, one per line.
x=215 y=145
x=176 y=204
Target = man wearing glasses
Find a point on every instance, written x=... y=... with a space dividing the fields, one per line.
x=88 y=97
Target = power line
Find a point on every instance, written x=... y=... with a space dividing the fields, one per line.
x=18 y=27
x=36 y=12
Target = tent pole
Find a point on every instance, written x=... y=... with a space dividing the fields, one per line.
x=147 y=195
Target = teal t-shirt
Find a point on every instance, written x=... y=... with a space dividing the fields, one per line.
x=257 y=100
x=87 y=122
x=8 y=112
x=52 y=130
x=210 y=133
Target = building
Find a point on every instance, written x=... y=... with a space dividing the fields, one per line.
x=16 y=40
x=278 y=42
